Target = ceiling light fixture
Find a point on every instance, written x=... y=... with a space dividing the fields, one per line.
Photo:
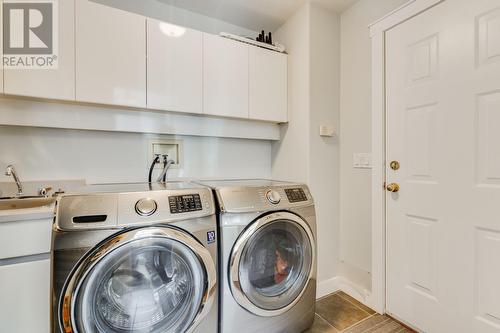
x=172 y=30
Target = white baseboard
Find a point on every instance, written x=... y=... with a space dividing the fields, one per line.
x=327 y=287
x=354 y=290
x=338 y=283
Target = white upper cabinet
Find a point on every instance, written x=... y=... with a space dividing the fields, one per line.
x=58 y=83
x=114 y=57
x=175 y=68
x=268 y=85
x=1 y=47
x=225 y=77
x=110 y=55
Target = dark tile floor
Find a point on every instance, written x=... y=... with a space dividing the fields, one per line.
x=339 y=312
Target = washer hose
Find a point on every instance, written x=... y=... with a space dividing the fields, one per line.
x=165 y=159
x=166 y=165
x=156 y=160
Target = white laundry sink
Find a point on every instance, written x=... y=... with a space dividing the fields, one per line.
x=25 y=203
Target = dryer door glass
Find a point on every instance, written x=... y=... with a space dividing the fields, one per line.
x=146 y=285
x=275 y=264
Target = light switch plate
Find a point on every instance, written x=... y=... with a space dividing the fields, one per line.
x=326 y=131
x=362 y=161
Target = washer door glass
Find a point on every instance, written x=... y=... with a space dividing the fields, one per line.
x=275 y=264
x=146 y=285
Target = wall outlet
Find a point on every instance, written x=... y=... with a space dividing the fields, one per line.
x=172 y=148
x=362 y=161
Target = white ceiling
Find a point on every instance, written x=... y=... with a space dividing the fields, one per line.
x=336 y=5
x=254 y=14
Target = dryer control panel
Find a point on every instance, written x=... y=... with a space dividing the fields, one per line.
x=263 y=198
x=295 y=194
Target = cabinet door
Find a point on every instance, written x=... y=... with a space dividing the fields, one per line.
x=25 y=297
x=110 y=55
x=25 y=238
x=225 y=78
x=1 y=46
x=50 y=83
x=175 y=68
x=268 y=85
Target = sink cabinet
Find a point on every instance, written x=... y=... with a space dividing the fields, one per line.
x=25 y=238
x=25 y=296
x=25 y=275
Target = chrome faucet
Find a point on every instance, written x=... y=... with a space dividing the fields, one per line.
x=11 y=171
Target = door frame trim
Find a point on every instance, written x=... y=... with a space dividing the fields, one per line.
x=377 y=297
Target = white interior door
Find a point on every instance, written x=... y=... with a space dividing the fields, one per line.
x=443 y=126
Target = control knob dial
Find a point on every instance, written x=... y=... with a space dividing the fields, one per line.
x=146 y=207
x=273 y=197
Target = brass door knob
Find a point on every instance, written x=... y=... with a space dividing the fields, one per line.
x=392 y=187
x=395 y=165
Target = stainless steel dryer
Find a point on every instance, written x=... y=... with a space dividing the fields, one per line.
x=135 y=258
x=268 y=256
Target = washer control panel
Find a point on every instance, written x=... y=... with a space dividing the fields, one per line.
x=296 y=194
x=121 y=205
x=146 y=207
x=185 y=203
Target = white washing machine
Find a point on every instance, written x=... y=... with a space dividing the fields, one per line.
x=135 y=258
x=267 y=256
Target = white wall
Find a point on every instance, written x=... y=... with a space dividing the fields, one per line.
x=312 y=37
x=355 y=137
x=52 y=151
x=324 y=151
x=291 y=154
x=101 y=157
